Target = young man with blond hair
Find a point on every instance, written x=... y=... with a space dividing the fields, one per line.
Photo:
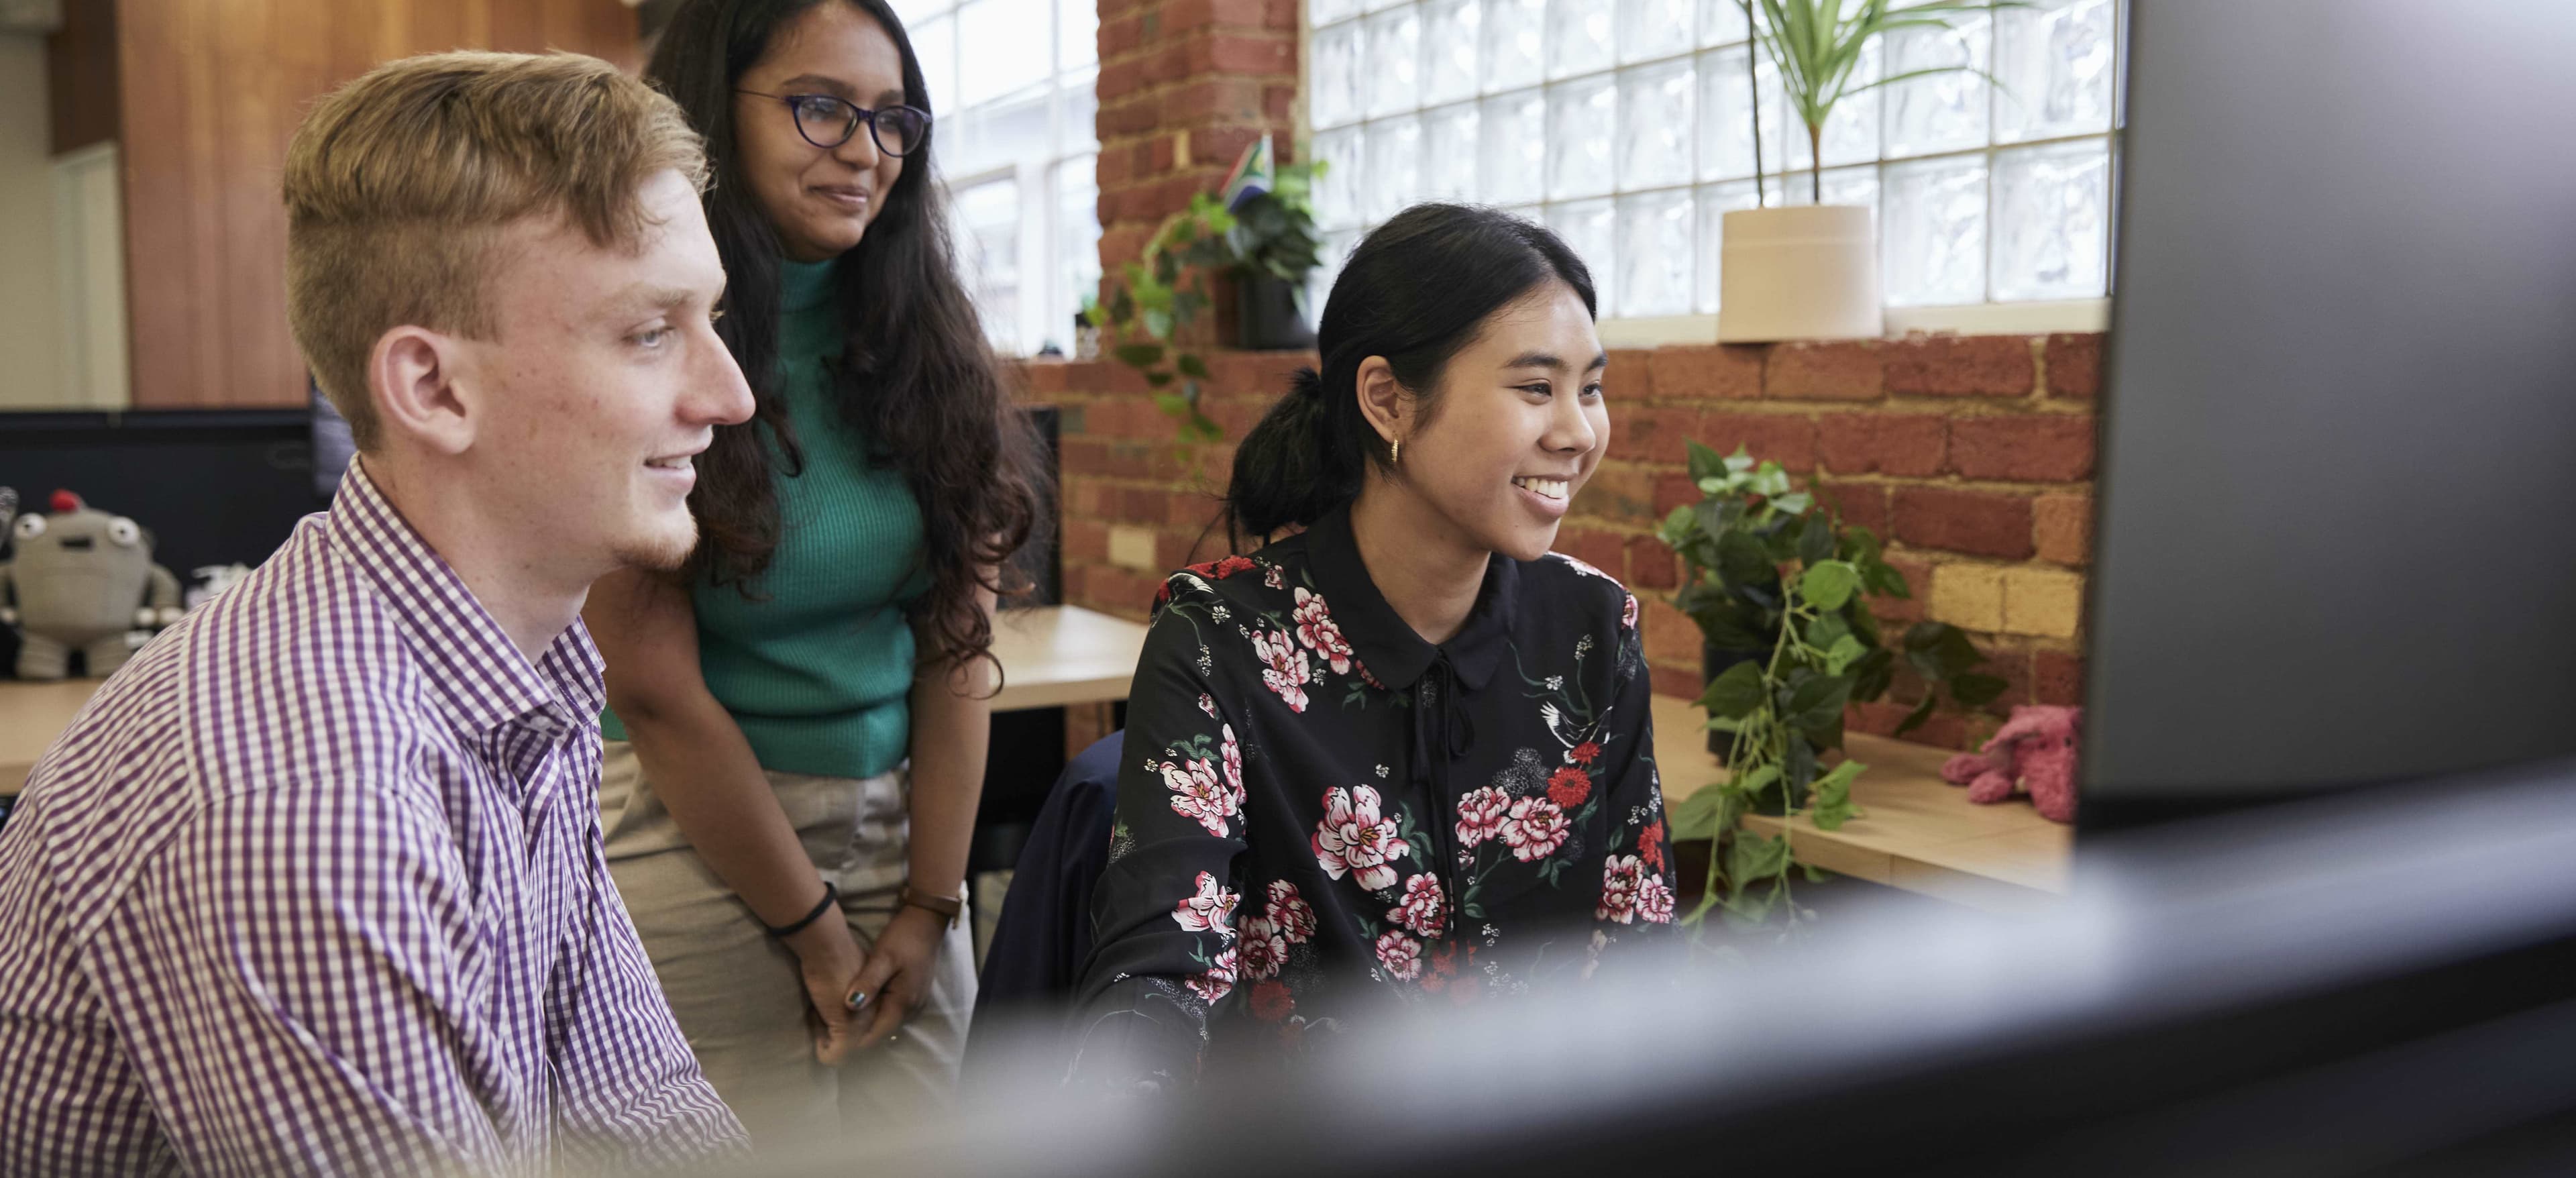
x=315 y=883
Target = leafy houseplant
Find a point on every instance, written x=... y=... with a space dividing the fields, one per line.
x=1274 y=246
x=1780 y=579
x=1811 y=272
x=1265 y=235
x=1163 y=292
x=1816 y=47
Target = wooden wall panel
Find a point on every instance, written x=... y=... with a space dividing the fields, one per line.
x=80 y=75
x=210 y=91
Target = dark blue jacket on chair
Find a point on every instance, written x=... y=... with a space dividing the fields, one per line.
x=1043 y=936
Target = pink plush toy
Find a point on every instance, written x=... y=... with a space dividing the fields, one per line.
x=2034 y=749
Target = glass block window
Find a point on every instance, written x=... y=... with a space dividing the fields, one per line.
x=1625 y=125
x=1016 y=145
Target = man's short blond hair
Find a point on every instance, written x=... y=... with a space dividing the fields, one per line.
x=398 y=184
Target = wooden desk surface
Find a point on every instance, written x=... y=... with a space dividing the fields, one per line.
x=1064 y=654
x=1051 y=656
x=1915 y=831
x=31 y=715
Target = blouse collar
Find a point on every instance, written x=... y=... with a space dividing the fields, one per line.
x=1391 y=649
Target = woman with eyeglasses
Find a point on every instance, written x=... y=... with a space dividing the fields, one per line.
x=797 y=722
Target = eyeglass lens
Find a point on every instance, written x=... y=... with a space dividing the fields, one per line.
x=829 y=122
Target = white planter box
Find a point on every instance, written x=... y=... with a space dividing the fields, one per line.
x=1803 y=272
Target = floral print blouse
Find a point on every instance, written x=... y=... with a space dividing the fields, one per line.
x=1320 y=814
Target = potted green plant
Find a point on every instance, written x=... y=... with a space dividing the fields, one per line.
x=1780 y=587
x=1161 y=293
x=1274 y=246
x=1261 y=233
x=1811 y=271
x=1086 y=327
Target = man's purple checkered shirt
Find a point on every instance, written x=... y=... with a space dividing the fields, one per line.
x=315 y=885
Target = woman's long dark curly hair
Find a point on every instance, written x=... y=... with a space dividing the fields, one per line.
x=917 y=378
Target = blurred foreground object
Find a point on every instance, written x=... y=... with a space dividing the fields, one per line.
x=2337 y=416
x=2373 y=984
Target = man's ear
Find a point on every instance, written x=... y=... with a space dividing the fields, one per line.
x=412 y=376
x=1383 y=401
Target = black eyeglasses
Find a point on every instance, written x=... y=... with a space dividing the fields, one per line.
x=828 y=122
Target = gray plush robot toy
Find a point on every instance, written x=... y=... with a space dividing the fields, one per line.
x=82 y=580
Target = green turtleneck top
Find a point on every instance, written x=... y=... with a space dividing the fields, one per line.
x=817 y=666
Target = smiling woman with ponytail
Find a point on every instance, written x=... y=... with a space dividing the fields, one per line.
x=1298 y=463
x=1401 y=754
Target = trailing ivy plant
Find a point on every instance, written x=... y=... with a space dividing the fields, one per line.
x=1163 y=292
x=1780 y=586
x=1271 y=232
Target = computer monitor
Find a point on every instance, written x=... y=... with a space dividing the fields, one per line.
x=2339 y=419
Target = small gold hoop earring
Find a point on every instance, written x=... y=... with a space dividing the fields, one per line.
x=1395 y=452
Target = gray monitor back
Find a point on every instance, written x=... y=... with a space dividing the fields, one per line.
x=2338 y=502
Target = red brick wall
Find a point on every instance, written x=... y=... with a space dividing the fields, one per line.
x=1972 y=456
x=1184 y=86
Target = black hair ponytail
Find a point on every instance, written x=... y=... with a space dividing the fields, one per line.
x=1296 y=465
x=1415 y=291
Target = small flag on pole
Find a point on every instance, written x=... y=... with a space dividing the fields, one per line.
x=1252 y=175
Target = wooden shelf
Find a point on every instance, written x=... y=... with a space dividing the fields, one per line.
x=1915 y=832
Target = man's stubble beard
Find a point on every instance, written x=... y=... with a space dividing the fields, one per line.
x=659 y=555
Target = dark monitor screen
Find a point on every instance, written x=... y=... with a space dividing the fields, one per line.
x=2339 y=435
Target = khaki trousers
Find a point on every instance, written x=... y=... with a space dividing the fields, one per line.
x=737 y=993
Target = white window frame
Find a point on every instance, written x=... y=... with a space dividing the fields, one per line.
x=1045 y=295
x=1996 y=317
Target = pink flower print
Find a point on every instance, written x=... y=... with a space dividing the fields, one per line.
x=1210 y=911
x=1620 y=878
x=1400 y=954
x=1583 y=568
x=1481 y=814
x=1207 y=704
x=1217 y=981
x=1260 y=949
x=1535 y=829
x=1424 y=909
x=1198 y=794
x=1288 y=912
x=1628 y=613
x=1286 y=674
x=1354 y=839
x=1271 y=578
x=1316 y=630
x=1233 y=767
x=1655 y=900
